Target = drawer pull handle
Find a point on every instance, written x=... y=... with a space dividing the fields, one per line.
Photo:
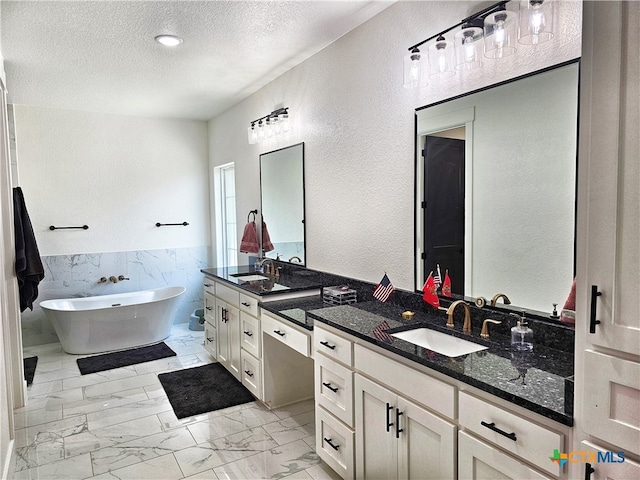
x=492 y=426
x=224 y=315
x=282 y=334
x=248 y=372
x=389 y=424
x=246 y=304
x=328 y=385
x=588 y=470
x=594 y=304
x=328 y=345
x=208 y=285
x=210 y=339
x=335 y=447
x=209 y=308
x=398 y=429
x=248 y=334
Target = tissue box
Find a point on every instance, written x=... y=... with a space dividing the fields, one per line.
x=338 y=295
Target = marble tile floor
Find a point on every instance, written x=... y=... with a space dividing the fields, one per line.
x=119 y=425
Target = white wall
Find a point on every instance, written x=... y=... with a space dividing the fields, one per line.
x=357 y=122
x=117 y=174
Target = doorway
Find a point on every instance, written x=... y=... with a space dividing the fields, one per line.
x=444 y=206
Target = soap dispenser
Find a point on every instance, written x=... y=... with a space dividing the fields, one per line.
x=521 y=335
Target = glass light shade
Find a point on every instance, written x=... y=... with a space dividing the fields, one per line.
x=286 y=122
x=441 y=59
x=252 y=134
x=468 y=48
x=261 y=132
x=536 y=21
x=500 y=34
x=268 y=129
x=414 y=70
x=276 y=125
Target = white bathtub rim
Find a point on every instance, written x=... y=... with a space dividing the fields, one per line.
x=105 y=301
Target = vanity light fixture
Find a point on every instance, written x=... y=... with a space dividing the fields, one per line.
x=492 y=31
x=274 y=124
x=168 y=40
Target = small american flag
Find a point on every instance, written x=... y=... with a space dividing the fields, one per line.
x=381 y=334
x=384 y=289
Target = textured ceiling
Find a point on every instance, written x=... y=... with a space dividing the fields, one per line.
x=101 y=55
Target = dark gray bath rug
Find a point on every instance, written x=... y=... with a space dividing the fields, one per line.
x=124 y=358
x=29 y=369
x=203 y=389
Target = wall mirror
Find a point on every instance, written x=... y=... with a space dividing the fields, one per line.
x=496 y=190
x=282 y=202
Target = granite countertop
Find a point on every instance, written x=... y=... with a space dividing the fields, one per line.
x=534 y=380
x=292 y=281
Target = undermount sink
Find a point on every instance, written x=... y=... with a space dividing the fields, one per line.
x=441 y=343
x=249 y=277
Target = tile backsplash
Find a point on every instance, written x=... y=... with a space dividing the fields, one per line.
x=73 y=276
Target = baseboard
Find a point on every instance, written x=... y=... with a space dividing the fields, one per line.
x=8 y=460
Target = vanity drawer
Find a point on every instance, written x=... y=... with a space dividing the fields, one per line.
x=251 y=373
x=209 y=285
x=209 y=307
x=421 y=387
x=287 y=334
x=249 y=304
x=250 y=334
x=210 y=338
x=520 y=436
x=335 y=443
x=334 y=388
x=333 y=346
x=228 y=294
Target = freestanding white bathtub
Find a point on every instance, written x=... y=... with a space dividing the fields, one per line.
x=113 y=322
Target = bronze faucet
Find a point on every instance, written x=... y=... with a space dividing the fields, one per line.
x=270 y=269
x=466 y=328
x=485 y=327
x=113 y=279
x=497 y=297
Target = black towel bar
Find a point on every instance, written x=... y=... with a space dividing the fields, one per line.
x=184 y=224
x=83 y=227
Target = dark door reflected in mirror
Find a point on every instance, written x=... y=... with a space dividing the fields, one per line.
x=443 y=158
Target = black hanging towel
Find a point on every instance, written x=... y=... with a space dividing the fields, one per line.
x=29 y=269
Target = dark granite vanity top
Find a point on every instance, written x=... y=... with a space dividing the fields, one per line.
x=288 y=281
x=540 y=381
x=534 y=380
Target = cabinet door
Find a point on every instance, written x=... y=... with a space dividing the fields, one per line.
x=376 y=443
x=608 y=250
x=222 y=327
x=233 y=335
x=479 y=461
x=609 y=470
x=427 y=444
x=611 y=404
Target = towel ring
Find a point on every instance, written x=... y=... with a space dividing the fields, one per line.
x=254 y=212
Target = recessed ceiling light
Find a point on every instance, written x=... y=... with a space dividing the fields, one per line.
x=168 y=40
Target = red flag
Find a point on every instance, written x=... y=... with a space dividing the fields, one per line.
x=446 y=286
x=429 y=292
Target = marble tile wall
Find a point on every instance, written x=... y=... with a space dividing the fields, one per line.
x=73 y=276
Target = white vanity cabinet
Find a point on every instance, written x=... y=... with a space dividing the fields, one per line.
x=228 y=332
x=396 y=438
x=607 y=376
x=210 y=330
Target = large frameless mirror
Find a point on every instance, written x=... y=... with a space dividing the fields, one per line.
x=282 y=199
x=496 y=190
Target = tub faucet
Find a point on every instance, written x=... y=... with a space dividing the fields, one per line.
x=499 y=296
x=466 y=328
x=102 y=280
x=122 y=277
x=113 y=279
